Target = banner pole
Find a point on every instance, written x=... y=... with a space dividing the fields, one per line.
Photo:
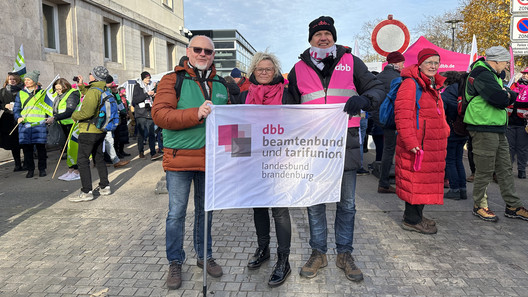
x=206 y=223
x=64 y=148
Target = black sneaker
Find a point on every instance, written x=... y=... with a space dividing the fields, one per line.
x=174 y=277
x=362 y=171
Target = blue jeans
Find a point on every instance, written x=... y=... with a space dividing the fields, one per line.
x=344 y=218
x=146 y=129
x=179 y=186
x=454 y=164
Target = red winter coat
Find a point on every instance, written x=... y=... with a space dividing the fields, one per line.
x=427 y=185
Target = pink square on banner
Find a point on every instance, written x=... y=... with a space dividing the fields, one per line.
x=226 y=133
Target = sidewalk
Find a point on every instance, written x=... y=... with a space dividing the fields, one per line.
x=52 y=247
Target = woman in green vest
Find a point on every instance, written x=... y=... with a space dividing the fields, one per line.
x=31 y=118
x=64 y=105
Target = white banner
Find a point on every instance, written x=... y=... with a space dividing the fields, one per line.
x=274 y=155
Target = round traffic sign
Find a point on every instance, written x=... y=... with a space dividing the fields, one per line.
x=522 y=25
x=523 y=2
x=389 y=36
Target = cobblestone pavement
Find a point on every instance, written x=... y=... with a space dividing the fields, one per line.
x=52 y=247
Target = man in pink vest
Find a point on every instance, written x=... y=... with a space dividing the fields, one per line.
x=328 y=73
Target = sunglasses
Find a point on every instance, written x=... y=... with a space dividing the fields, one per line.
x=198 y=50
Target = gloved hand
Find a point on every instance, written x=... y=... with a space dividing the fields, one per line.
x=355 y=104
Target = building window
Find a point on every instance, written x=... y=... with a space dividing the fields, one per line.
x=167 y=3
x=171 y=56
x=107 y=41
x=146 y=50
x=50 y=25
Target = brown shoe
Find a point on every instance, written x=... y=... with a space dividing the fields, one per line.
x=421 y=227
x=121 y=163
x=317 y=260
x=389 y=190
x=345 y=261
x=174 y=277
x=428 y=221
x=156 y=156
x=142 y=155
x=213 y=269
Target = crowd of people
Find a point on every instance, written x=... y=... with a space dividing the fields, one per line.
x=425 y=143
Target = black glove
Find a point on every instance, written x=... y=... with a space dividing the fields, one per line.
x=355 y=104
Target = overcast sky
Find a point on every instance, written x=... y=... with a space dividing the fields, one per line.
x=282 y=26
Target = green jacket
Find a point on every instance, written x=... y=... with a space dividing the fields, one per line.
x=191 y=97
x=488 y=99
x=89 y=108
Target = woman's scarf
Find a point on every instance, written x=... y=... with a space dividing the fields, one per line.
x=270 y=94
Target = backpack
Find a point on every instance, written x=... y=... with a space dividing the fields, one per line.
x=107 y=116
x=459 y=127
x=386 y=110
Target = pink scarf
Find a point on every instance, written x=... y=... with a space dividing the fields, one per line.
x=265 y=94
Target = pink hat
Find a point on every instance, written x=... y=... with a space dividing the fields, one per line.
x=525 y=70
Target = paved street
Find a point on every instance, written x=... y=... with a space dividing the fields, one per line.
x=52 y=247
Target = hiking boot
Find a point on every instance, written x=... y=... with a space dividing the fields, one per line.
x=428 y=221
x=121 y=163
x=389 y=190
x=516 y=213
x=174 y=277
x=345 y=261
x=281 y=271
x=421 y=227
x=141 y=155
x=317 y=260
x=260 y=256
x=82 y=197
x=156 y=156
x=485 y=214
x=471 y=178
x=105 y=191
x=521 y=174
x=452 y=194
x=362 y=171
x=213 y=269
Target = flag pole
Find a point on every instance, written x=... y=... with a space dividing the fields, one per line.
x=14 y=129
x=64 y=148
x=206 y=223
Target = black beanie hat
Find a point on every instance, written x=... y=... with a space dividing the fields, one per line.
x=144 y=74
x=322 y=23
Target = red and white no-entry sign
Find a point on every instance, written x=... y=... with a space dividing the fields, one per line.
x=389 y=36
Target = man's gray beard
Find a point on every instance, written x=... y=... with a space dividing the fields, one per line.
x=202 y=67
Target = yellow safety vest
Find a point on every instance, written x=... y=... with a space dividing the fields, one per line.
x=32 y=112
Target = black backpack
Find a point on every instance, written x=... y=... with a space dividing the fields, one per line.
x=459 y=127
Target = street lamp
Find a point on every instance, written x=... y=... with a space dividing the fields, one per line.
x=453 y=27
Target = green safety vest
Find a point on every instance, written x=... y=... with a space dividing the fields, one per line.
x=481 y=113
x=32 y=112
x=192 y=97
x=62 y=107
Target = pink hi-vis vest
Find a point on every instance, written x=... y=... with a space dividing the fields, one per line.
x=340 y=88
x=522 y=97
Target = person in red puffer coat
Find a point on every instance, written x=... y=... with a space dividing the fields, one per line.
x=425 y=135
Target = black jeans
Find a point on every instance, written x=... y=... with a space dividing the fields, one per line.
x=413 y=214
x=28 y=156
x=389 y=148
x=91 y=144
x=281 y=216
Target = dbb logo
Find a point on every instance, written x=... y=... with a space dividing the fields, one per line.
x=342 y=67
x=270 y=129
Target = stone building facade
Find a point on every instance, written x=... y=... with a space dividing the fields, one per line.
x=70 y=37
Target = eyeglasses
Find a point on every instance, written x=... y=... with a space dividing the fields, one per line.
x=198 y=50
x=432 y=63
x=262 y=70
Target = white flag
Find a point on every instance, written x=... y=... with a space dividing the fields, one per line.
x=20 y=63
x=274 y=155
x=473 y=56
